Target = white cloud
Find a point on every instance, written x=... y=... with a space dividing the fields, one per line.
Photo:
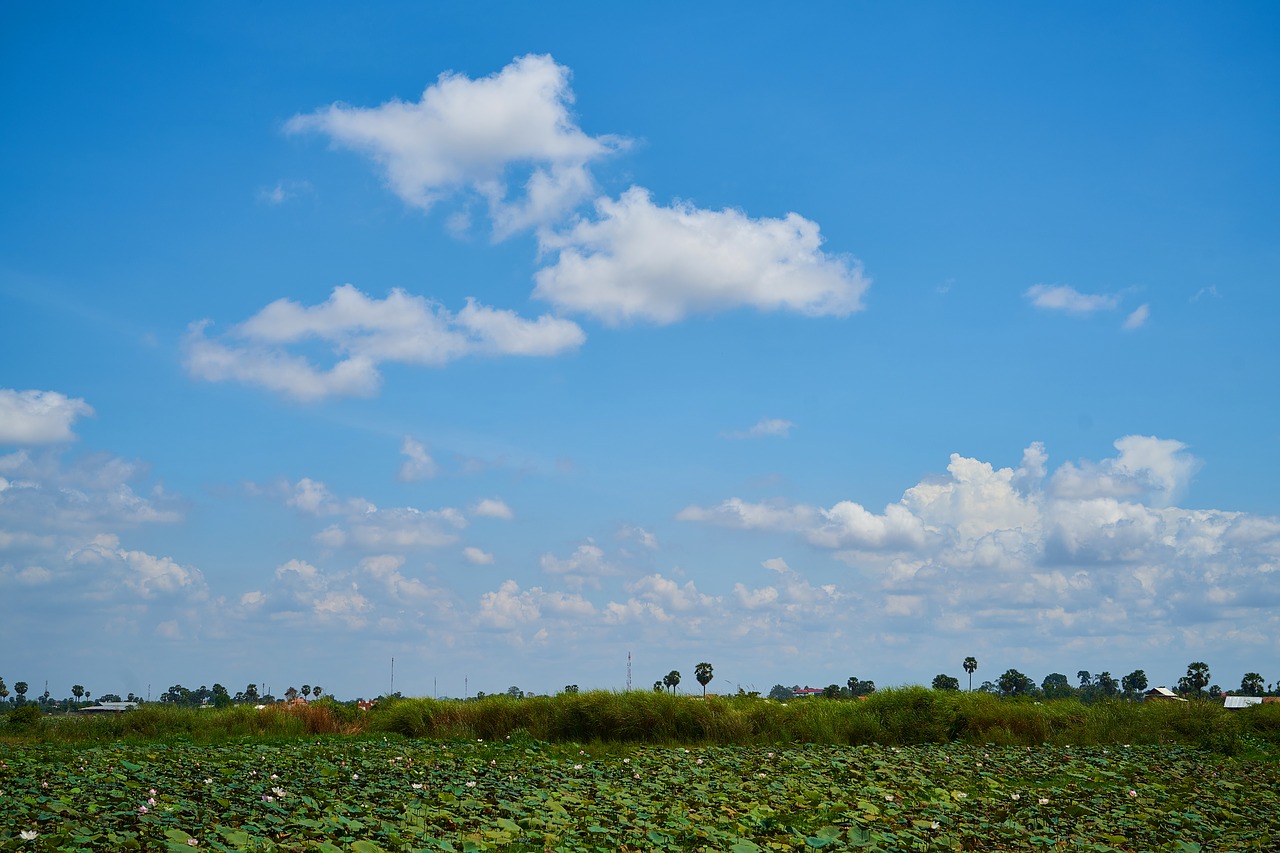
x=1138 y=318
x=493 y=508
x=476 y=556
x=1061 y=297
x=846 y=524
x=363 y=333
x=763 y=428
x=1091 y=549
x=510 y=607
x=366 y=526
x=637 y=261
x=38 y=417
x=585 y=566
x=468 y=135
x=418 y=464
x=45 y=494
x=645 y=538
x=1148 y=468
x=671 y=595
x=776 y=564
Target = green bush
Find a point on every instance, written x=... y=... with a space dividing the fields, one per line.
x=24 y=718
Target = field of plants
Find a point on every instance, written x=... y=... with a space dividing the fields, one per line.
x=422 y=775
x=340 y=794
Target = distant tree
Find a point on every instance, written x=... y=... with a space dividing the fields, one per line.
x=658 y=686
x=1056 y=686
x=1014 y=683
x=988 y=687
x=1251 y=684
x=1085 y=678
x=970 y=666
x=945 y=682
x=1197 y=677
x=306 y=690
x=860 y=687
x=704 y=673
x=4 y=690
x=20 y=688
x=77 y=690
x=515 y=692
x=221 y=698
x=831 y=691
x=315 y=691
x=778 y=693
x=1134 y=683
x=1215 y=692
x=571 y=688
x=672 y=680
x=291 y=693
x=1107 y=685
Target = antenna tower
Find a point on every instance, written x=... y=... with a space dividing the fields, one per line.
x=628 y=672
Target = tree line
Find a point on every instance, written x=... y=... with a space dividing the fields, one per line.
x=1196 y=683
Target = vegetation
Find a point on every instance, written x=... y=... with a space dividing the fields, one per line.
x=368 y=796
x=892 y=717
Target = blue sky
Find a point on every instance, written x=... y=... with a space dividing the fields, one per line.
x=505 y=340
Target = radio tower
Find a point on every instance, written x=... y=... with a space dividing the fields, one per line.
x=628 y=672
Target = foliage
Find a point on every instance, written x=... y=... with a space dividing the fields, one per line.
x=520 y=794
x=945 y=682
x=1014 y=683
x=704 y=672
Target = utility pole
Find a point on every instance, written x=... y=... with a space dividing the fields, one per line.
x=393 y=676
x=628 y=671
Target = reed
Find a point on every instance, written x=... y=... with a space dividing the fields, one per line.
x=899 y=716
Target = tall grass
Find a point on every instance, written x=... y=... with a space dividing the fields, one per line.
x=890 y=717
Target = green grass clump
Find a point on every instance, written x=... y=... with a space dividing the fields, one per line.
x=890 y=717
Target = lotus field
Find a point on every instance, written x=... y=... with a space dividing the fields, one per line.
x=373 y=793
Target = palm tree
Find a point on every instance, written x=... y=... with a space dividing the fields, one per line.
x=672 y=680
x=306 y=690
x=657 y=686
x=4 y=690
x=21 y=687
x=970 y=666
x=77 y=690
x=1251 y=684
x=315 y=691
x=1197 y=676
x=704 y=674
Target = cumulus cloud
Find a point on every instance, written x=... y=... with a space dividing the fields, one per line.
x=637 y=261
x=511 y=607
x=584 y=567
x=470 y=135
x=1095 y=547
x=764 y=428
x=45 y=493
x=476 y=556
x=38 y=417
x=418 y=464
x=1149 y=469
x=363 y=333
x=362 y=524
x=846 y=524
x=493 y=508
x=1061 y=297
x=360 y=597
